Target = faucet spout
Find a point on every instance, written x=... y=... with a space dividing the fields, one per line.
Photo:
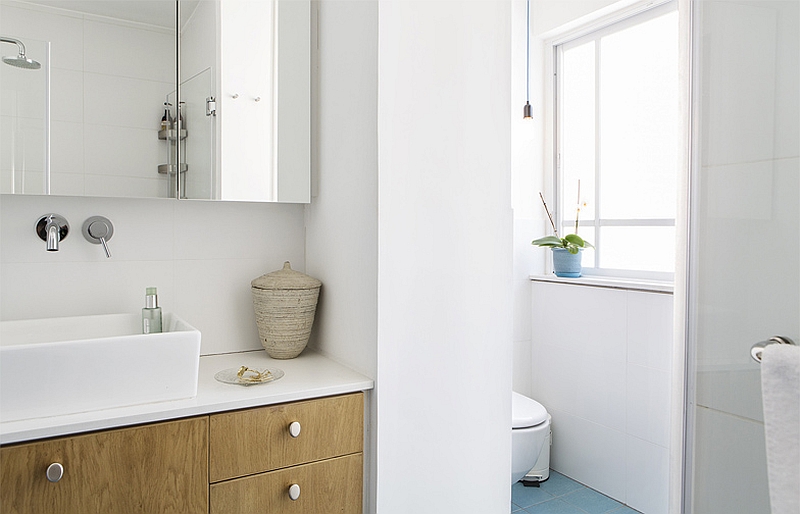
x=53 y=237
x=52 y=229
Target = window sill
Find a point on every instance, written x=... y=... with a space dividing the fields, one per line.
x=647 y=286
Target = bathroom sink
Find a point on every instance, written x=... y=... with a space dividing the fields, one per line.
x=56 y=366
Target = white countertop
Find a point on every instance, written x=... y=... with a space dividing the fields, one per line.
x=311 y=375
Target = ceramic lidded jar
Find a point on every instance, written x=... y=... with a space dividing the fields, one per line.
x=285 y=302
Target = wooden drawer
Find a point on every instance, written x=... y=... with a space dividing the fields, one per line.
x=257 y=440
x=153 y=468
x=329 y=486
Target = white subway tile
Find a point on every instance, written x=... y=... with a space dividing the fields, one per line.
x=127 y=187
x=116 y=49
x=23 y=144
x=62 y=288
x=124 y=152
x=214 y=296
x=124 y=102
x=648 y=404
x=66 y=184
x=66 y=147
x=225 y=230
x=650 y=329
x=740 y=93
x=647 y=487
x=592 y=454
x=23 y=93
x=66 y=95
x=733 y=460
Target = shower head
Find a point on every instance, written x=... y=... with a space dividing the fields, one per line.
x=20 y=61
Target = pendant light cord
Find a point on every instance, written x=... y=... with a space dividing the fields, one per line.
x=528 y=52
x=527 y=112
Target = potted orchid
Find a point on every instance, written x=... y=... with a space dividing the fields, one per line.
x=566 y=250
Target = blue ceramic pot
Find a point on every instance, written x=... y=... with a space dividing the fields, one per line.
x=567 y=264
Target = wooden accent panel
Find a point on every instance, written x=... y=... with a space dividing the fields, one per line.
x=258 y=440
x=330 y=486
x=160 y=468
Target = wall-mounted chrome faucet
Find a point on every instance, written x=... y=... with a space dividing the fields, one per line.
x=98 y=230
x=52 y=228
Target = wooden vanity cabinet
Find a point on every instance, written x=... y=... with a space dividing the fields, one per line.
x=301 y=458
x=159 y=468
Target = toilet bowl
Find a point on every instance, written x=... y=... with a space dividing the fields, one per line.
x=530 y=430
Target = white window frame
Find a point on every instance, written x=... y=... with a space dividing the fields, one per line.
x=595 y=32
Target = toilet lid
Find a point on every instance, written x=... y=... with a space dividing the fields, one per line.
x=526 y=412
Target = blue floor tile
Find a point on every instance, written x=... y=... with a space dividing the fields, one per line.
x=591 y=501
x=522 y=496
x=554 y=506
x=559 y=485
x=624 y=510
x=562 y=495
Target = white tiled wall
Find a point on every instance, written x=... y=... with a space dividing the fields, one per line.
x=601 y=367
x=201 y=256
x=109 y=80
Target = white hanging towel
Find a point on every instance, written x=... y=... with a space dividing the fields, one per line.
x=780 y=388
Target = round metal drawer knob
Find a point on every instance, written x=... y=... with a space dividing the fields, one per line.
x=294 y=428
x=294 y=492
x=55 y=471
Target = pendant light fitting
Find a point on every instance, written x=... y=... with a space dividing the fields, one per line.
x=527 y=111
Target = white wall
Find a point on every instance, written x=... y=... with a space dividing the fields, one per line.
x=109 y=80
x=201 y=256
x=602 y=369
x=409 y=231
x=342 y=218
x=444 y=257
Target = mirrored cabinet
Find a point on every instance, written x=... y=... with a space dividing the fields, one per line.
x=190 y=99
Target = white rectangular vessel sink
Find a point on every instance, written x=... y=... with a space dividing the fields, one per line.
x=57 y=366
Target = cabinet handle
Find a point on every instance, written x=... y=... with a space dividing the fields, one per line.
x=55 y=471
x=294 y=428
x=294 y=492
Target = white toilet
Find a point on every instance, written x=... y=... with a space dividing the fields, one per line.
x=530 y=439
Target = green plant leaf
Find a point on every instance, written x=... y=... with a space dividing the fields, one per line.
x=575 y=239
x=548 y=241
x=573 y=249
x=578 y=241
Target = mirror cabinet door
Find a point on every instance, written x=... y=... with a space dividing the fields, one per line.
x=200 y=99
x=84 y=123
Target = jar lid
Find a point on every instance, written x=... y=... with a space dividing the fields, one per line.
x=285 y=278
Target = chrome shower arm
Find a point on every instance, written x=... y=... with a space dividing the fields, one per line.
x=13 y=41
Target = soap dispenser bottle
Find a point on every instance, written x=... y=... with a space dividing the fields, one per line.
x=166 y=120
x=151 y=314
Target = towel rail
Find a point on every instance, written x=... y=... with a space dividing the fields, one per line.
x=758 y=348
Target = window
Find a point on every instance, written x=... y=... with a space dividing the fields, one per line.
x=618 y=133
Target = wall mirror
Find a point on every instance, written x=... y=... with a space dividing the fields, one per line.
x=195 y=99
